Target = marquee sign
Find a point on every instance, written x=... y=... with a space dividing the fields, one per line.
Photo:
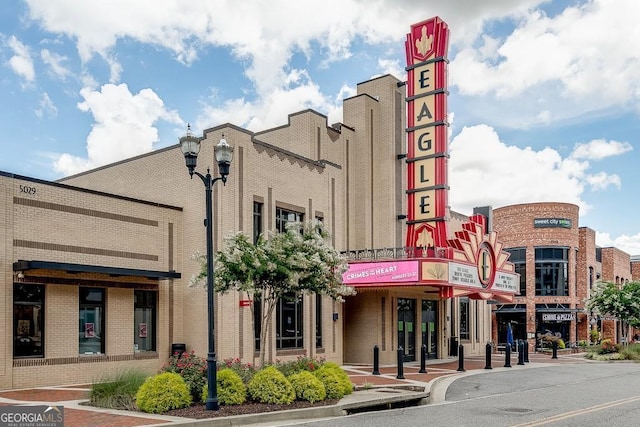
x=427 y=152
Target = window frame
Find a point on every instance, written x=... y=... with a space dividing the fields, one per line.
x=100 y=321
x=145 y=300
x=27 y=340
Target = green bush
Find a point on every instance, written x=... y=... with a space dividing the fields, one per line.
x=270 y=386
x=162 y=393
x=117 y=392
x=192 y=368
x=302 y=363
x=307 y=387
x=246 y=371
x=561 y=344
x=231 y=389
x=608 y=346
x=336 y=381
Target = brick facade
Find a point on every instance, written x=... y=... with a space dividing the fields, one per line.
x=586 y=265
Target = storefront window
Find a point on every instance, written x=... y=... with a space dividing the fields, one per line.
x=28 y=320
x=519 y=259
x=551 y=271
x=144 y=321
x=91 y=322
x=289 y=322
x=284 y=216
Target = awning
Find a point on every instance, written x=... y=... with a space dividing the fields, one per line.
x=23 y=265
x=518 y=308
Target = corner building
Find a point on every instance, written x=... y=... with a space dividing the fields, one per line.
x=559 y=264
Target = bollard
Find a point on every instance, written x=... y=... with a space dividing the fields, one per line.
x=554 y=348
x=520 y=353
x=400 y=375
x=488 y=350
x=460 y=358
x=507 y=356
x=526 y=351
x=376 y=360
x=423 y=361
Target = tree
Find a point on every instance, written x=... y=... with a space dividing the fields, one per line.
x=296 y=261
x=619 y=301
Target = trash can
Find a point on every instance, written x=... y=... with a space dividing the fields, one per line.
x=178 y=348
x=453 y=347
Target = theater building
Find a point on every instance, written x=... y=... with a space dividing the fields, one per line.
x=559 y=263
x=95 y=267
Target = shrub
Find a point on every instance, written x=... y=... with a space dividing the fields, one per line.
x=594 y=335
x=117 y=392
x=582 y=343
x=302 y=363
x=270 y=386
x=231 y=389
x=307 y=387
x=336 y=381
x=561 y=344
x=192 y=368
x=162 y=393
x=608 y=346
x=246 y=371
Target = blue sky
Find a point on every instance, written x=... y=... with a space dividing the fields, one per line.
x=544 y=95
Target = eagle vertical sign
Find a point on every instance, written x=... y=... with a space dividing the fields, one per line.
x=427 y=148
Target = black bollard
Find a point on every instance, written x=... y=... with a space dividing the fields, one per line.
x=488 y=350
x=460 y=358
x=400 y=375
x=526 y=351
x=520 y=353
x=376 y=360
x=507 y=356
x=554 y=348
x=423 y=359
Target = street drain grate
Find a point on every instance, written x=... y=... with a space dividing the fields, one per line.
x=519 y=410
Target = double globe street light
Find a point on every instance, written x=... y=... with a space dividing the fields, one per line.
x=190 y=146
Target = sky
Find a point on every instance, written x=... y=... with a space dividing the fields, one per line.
x=544 y=96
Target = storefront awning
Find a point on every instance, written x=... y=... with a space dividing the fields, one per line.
x=23 y=265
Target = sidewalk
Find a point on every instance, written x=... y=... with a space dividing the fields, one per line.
x=372 y=392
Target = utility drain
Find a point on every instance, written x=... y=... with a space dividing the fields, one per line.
x=518 y=410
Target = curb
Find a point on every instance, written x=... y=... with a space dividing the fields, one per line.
x=372 y=400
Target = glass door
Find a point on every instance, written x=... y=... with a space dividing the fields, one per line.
x=429 y=327
x=406 y=328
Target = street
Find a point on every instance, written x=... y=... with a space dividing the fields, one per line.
x=564 y=395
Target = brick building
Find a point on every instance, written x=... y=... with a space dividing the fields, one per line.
x=559 y=263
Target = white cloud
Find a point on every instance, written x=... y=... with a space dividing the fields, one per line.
x=21 y=62
x=55 y=63
x=46 y=106
x=573 y=63
x=598 y=149
x=624 y=242
x=124 y=126
x=486 y=171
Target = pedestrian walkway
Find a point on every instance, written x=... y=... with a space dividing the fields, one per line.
x=372 y=391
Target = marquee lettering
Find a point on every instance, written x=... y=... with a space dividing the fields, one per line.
x=425 y=78
x=425 y=205
x=424 y=145
x=424 y=112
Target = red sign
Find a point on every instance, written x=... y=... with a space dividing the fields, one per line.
x=245 y=303
x=427 y=144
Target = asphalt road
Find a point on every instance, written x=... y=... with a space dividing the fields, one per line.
x=588 y=394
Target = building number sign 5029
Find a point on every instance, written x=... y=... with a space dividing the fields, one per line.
x=28 y=190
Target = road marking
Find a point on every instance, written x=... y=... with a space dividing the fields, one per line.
x=578 y=412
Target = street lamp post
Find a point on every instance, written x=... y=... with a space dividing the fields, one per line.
x=190 y=146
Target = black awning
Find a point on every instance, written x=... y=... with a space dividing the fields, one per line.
x=511 y=308
x=22 y=265
x=556 y=308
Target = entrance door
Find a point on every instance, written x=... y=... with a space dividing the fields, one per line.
x=406 y=328
x=429 y=327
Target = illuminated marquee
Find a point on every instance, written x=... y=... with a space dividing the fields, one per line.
x=427 y=151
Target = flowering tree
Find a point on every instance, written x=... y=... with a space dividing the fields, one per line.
x=620 y=301
x=284 y=264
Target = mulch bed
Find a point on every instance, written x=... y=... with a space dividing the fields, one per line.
x=199 y=411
